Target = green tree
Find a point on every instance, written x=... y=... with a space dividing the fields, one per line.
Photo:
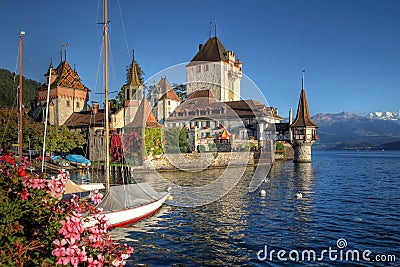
x=61 y=139
x=279 y=146
x=175 y=140
x=32 y=132
x=8 y=89
x=153 y=141
x=180 y=90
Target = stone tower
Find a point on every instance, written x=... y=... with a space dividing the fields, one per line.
x=303 y=130
x=216 y=69
x=67 y=93
x=134 y=91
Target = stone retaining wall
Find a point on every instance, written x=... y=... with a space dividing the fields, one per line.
x=202 y=160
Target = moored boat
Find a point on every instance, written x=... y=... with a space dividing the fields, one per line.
x=78 y=160
x=127 y=204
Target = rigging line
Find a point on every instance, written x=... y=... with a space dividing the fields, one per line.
x=113 y=71
x=100 y=43
x=100 y=70
x=123 y=29
x=15 y=99
x=97 y=23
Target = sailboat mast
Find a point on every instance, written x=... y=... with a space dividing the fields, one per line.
x=20 y=94
x=107 y=136
x=47 y=116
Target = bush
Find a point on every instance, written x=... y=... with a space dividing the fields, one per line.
x=202 y=148
x=279 y=146
x=37 y=229
x=212 y=147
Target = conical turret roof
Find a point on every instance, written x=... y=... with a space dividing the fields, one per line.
x=134 y=76
x=303 y=118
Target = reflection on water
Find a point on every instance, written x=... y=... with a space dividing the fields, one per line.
x=348 y=195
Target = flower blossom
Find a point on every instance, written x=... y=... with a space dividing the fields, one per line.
x=96 y=198
x=36 y=183
x=24 y=194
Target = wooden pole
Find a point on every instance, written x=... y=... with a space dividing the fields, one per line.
x=107 y=130
x=20 y=94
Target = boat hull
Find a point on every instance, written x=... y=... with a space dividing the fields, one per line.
x=131 y=215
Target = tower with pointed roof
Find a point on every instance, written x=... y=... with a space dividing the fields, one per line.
x=67 y=93
x=134 y=91
x=163 y=99
x=303 y=130
x=215 y=68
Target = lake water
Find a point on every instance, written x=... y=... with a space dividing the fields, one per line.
x=353 y=197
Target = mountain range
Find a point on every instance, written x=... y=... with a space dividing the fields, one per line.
x=378 y=130
x=385 y=115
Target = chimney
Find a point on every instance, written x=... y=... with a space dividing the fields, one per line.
x=200 y=46
x=95 y=108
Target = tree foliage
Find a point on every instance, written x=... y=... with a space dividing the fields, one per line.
x=175 y=140
x=9 y=82
x=180 y=90
x=279 y=146
x=152 y=139
x=59 y=138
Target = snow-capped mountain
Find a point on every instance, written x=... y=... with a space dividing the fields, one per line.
x=328 y=119
x=347 y=130
x=384 y=115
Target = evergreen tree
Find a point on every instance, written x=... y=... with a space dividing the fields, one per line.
x=180 y=90
x=9 y=82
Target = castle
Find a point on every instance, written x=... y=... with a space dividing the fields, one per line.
x=213 y=110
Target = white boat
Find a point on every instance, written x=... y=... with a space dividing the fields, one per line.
x=128 y=203
x=140 y=199
x=71 y=187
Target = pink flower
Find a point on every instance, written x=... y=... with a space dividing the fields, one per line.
x=72 y=228
x=24 y=194
x=59 y=252
x=96 y=198
x=92 y=262
x=82 y=255
x=37 y=183
x=57 y=185
x=96 y=263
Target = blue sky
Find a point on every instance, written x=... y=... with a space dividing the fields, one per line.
x=349 y=48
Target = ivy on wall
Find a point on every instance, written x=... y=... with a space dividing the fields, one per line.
x=153 y=141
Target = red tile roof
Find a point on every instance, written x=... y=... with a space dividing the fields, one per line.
x=144 y=111
x=66 y=77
